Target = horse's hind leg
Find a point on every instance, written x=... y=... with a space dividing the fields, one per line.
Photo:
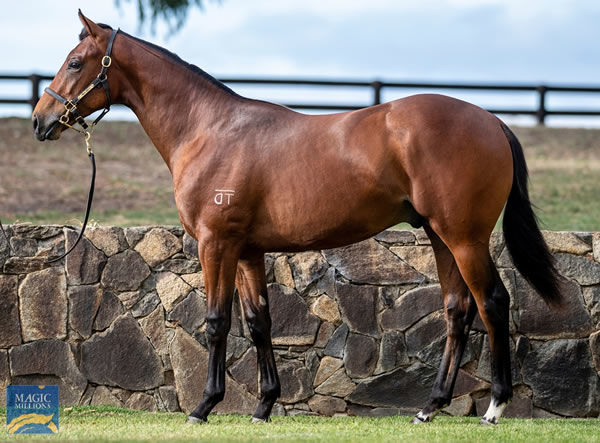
x=252 y=286
x=493 y=303
x=460 y=309
x=219 y=262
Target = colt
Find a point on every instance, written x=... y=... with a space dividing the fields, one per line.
x=251 y=177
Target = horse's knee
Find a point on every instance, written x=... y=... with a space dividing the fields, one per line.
x=217 y=326
x=259 y=325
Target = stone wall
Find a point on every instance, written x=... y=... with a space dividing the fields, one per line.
x=357 y=330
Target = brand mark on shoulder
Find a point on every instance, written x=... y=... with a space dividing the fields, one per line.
x=223 y=196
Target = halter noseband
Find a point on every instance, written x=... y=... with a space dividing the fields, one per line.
x=71 y=105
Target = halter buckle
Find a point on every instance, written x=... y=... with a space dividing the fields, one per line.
x=64 y=119
x=106 y=61
x=70 y=106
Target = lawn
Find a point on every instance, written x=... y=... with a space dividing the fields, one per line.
x=47 y=182
x=564 y=166
x=104 y=423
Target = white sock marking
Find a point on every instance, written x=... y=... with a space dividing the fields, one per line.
x=494 y=411
x=425 y=417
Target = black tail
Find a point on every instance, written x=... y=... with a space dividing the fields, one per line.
x=522 y=234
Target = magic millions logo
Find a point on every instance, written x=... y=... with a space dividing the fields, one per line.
x=32 y=409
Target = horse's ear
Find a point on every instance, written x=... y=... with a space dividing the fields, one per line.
x=92 y=28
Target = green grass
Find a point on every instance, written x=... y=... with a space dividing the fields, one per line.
x=567 y=199
x=111 y=424
x=161 y=215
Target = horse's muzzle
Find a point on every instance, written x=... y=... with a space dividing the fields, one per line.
x=46 y=130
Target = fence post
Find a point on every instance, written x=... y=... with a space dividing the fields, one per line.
x=541 y=112
x=376 y=85
x=35 y=90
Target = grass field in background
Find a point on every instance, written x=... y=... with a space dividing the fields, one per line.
x=567 y=198
x=104 y=423
x=47 y=182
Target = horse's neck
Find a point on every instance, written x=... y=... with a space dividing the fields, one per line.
x=173 y=104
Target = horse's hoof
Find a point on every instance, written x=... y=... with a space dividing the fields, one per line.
x=485 y=422
x=418 y=420
x=260 y=420
x=195 y=420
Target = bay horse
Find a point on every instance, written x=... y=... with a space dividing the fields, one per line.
x=252 y=177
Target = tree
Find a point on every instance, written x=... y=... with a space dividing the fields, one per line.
x=172 y=12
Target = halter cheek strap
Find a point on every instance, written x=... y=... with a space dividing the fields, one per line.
x=100 y=80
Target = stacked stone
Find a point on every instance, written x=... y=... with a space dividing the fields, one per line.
x=357 y=330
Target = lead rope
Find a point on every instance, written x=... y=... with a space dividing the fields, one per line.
x=88 y=208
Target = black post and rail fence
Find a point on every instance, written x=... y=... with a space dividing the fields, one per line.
x=540 y=112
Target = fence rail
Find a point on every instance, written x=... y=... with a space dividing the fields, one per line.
x=540 y=112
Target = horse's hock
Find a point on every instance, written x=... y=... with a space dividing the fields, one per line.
x=357 y=330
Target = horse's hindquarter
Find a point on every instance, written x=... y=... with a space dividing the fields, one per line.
x=458 y=161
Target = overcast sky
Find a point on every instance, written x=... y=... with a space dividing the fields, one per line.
x=531 y=41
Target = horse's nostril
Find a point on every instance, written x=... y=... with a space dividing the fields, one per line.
x=35 y=122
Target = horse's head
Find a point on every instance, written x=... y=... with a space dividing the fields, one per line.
x=81 y=67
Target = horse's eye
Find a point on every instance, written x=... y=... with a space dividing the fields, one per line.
x=74 y=65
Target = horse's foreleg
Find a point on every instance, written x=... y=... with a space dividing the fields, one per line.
x=252 y=286
x=493 y=303
x=219 y=262
x=460 y=309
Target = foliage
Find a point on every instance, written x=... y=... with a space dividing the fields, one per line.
x=172 y=12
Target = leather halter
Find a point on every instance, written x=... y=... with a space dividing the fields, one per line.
x=100 y=80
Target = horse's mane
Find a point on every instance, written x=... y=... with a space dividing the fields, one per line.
x=174 y=57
